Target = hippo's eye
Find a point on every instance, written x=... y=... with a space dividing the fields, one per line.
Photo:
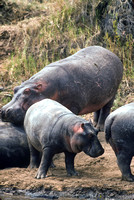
x=27 y=91
x=90 y=136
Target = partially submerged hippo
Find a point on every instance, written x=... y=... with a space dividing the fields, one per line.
x=51 y=128
x=14 y=150
x=119 y=129
x=84 y=82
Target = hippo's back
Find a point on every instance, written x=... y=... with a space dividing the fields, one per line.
x=40 y=119
x=92 y=76
x=14 y=150
x=120 y=123
x=91 y=62
x=93 y=57
x=45 y=109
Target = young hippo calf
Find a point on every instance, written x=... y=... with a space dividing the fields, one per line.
x=51 y=128
x=119 y=129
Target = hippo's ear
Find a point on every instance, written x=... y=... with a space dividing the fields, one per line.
x=78 y=128
x=82 y=125
x=91 y=126
x=40 y=87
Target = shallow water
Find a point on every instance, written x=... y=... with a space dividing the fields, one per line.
x=34 y=197
x=12 y=197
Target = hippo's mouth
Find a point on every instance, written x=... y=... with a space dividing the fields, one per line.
x=94 y=152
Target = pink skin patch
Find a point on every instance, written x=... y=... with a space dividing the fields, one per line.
x=68 y=145
x=78 y=128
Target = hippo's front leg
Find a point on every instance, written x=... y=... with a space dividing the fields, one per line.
x=123 y=161
x=69 y=160
x=46 y=161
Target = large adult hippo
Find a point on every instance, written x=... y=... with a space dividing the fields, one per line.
x=51 y=128
x=14 y=150
x=84 y=82
x=119 y=129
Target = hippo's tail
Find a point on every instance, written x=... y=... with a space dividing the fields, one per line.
x=107 y=128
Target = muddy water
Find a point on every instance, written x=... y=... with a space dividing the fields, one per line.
x=11 y=197
x=37 y=196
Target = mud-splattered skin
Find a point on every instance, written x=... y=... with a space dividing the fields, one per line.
x=119 y=129
x=51 y=128
x=84 y=82
x=14 y=150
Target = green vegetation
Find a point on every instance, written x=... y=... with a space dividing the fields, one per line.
x=68 y=26
x=61 y=34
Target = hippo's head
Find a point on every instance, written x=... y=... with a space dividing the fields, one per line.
x=24 y=97
x=85 y=139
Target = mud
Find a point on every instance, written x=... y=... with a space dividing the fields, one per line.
x=99 y=178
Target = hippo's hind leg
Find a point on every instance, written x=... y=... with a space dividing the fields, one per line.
x=45 y=163
x=69 y=160
x=96 y=117
x=123 y=161
x=34 y=156
x=102 y=114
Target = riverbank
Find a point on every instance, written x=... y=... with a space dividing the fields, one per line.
x=98 y=178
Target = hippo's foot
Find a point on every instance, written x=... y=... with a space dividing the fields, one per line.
x=40 y=174
x=33 y=165
x=129 y=178
x=94 y=124
x=52 y=165
x=72 y=173
x=100 y=127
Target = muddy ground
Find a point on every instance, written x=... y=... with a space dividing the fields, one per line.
x=98 y=177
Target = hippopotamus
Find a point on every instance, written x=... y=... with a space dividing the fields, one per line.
x=84 y=82
x=51 y=128
x=119 y=133
x=14 y=149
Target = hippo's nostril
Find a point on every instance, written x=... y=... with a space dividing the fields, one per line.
x=8 y=110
